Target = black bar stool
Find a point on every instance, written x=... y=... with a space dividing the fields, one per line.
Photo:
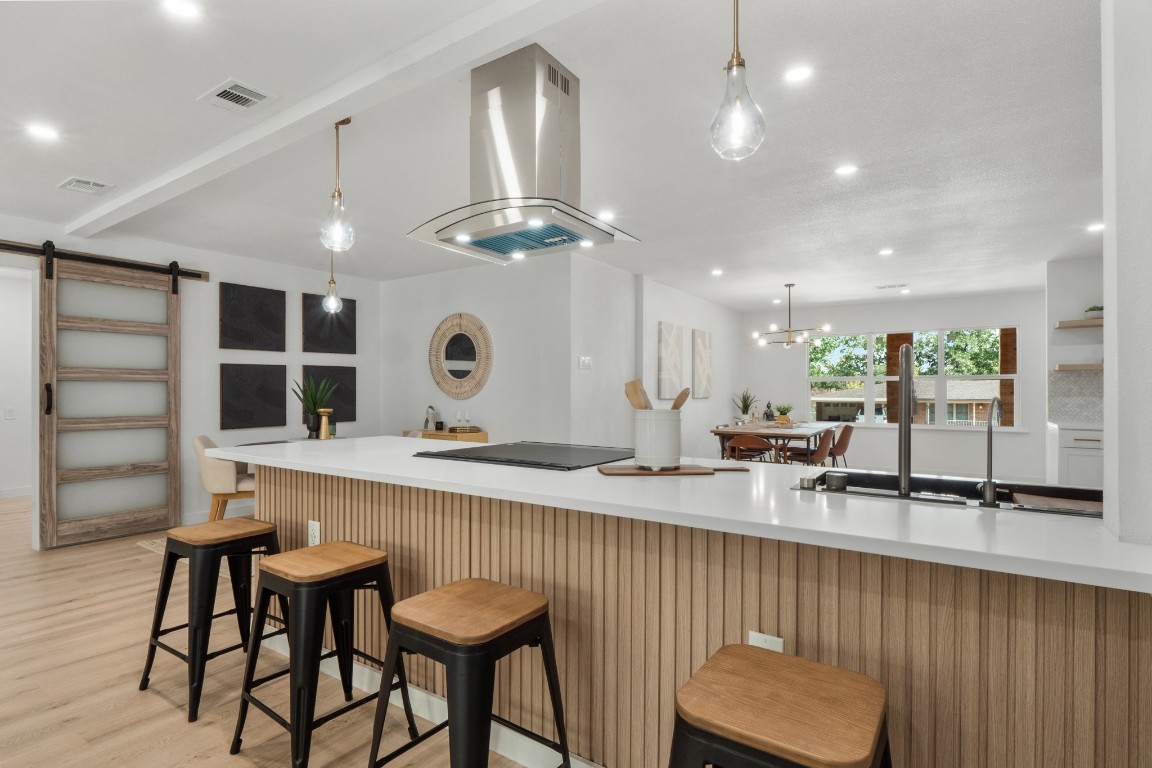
x=312 y=578
x=753 y=708
x=468 y=626
x=205 y=545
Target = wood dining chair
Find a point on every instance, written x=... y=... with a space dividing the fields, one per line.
x=818 y=456
x=750 y=448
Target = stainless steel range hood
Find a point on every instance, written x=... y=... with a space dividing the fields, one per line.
x=525 y=166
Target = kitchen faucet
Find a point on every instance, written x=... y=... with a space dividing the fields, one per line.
x=904 y=417
x=997 y=407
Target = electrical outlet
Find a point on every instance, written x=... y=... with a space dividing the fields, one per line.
x=762 y=640
x=584 y=362
x=313 y=532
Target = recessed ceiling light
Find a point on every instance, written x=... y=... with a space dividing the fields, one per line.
x=776 y=301
x=43 y=132
x=518 y=255
x=586 y=243
x=1097 y=227
x=605 y=215
x=185 y=9
x=846 y=170
x=462 y=238
x=535 y=223
x=798 y=74
x=886 y=252
x=905 y=290
x=717 y=272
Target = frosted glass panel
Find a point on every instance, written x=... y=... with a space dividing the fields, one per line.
x=79 y=450
x=91 y=349
x=81 y=298
x=100 y=497
x=85 y=399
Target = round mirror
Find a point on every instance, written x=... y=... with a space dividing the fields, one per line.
x=460 y=355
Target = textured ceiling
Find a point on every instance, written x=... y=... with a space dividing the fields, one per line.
x=975 y=125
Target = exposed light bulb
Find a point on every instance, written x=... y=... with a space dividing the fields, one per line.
x=755 y=334
x=337 y=234
x=826 y=327
x=762 y=341
x=738 y=128
x=332 y=302
x=773 y=328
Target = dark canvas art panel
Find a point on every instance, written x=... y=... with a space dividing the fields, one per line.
x=333 y=332
x=253 y=396
x=251 y=317
x=343 y=401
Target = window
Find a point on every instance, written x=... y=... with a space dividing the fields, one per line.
x=856 y=377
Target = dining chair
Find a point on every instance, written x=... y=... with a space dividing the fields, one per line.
x=840 y=446
x=750 y=448
x=818 y=456
x=225 y=480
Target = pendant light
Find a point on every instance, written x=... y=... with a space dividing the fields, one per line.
x=332 y=302
x=738 y=128
x=337 y=234
x=790 y=335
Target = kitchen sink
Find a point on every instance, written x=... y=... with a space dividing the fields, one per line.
x=1066 y=500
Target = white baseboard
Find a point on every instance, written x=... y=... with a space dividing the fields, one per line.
x=427 y=705
x=23 y=490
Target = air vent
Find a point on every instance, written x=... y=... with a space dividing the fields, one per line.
x=558 y=79
x=234 y=96
x=87 y=186
x=894 y=285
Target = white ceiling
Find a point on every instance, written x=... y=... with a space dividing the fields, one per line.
x=976 y=127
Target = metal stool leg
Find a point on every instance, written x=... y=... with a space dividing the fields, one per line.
x=549 y=652
x=204 y=573
x=384 y=590
x=306 y=632
x=240 y=574
x=471 y=681
x=264 y=596
x=686 y=752
x=391 y=659
x=340 y=606
x=167 y=572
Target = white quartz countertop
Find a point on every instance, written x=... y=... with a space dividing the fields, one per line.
x=757 y=503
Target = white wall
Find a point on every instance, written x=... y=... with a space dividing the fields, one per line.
x=662 y=303
x=603 y=320
x=16 y=381
x=201 y=356
x=781 y=375
x=1073 y=285
x=526 y=308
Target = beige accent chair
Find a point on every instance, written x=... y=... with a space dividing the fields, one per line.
x=225 y=480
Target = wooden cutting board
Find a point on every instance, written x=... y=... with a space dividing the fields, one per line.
x=631 y=470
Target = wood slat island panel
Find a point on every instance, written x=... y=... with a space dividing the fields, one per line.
x=981 y=668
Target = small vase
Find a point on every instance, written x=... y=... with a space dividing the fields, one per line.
x=312 y=422
x=784 y=419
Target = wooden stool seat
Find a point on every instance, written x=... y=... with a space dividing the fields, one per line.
x=323 y=561
x=220 y=531
x=470 y=611
x=811 y=713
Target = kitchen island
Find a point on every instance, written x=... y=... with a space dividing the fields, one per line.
x=1003 y=638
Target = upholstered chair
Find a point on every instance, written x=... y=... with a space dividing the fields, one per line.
x=225 y=480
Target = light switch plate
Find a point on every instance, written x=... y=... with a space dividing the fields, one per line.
x=584 y=362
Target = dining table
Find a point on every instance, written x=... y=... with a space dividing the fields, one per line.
x=778 y=434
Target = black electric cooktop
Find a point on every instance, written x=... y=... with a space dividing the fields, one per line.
x=536 y=455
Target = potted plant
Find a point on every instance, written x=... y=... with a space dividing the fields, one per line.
x=744 y=403
x=313 y=396
x=782 y=411
x=1094 y=312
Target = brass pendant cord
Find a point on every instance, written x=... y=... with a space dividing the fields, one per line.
x=331 y=268
x=736 y=60
x=345 y=121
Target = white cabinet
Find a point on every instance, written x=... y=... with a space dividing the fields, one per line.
x=1076 y=456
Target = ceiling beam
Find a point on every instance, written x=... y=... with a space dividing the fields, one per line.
x=492 y=29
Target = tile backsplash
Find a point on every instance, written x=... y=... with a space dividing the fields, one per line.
x=1076 y=396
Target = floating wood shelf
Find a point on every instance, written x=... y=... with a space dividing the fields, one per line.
x=1094 y=323
x=1080 y=366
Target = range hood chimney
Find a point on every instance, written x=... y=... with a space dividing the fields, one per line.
x=525 y=166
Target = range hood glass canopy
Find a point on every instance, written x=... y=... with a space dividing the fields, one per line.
x=525 y=166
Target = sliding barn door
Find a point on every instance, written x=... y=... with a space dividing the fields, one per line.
x=110 y=402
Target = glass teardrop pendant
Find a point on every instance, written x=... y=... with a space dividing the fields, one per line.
x=738 y=128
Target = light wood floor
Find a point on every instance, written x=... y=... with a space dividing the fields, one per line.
x=73 y=634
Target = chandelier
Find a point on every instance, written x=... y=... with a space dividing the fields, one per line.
x=787 y=336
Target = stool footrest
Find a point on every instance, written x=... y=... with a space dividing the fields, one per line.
x=525 y=732
x=410 y=744
x=178 y=627
x=283 y=723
